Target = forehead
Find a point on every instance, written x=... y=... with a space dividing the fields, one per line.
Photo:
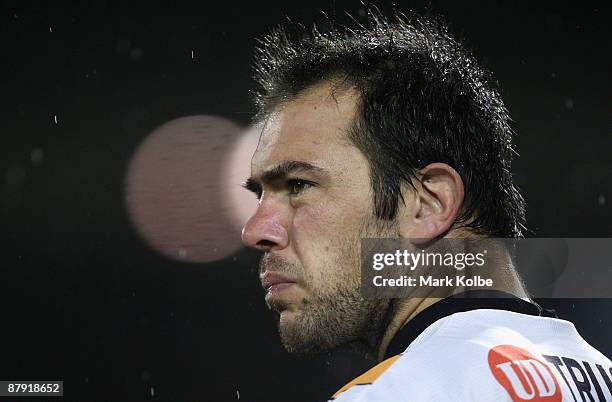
x=311 y=127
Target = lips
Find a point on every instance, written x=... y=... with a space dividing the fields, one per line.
x=272 y=282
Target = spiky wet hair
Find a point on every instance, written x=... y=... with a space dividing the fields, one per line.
x=422 y=99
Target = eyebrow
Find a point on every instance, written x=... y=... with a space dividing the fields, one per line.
x=280 y=171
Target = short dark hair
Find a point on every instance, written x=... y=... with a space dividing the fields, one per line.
x=422 y=99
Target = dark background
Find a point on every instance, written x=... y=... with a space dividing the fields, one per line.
x=84 y=300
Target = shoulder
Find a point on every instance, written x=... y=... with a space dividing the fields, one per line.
x=434 y=372
x=477 y=356
x=435 y=367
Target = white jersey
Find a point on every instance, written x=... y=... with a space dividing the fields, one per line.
x=489 y=355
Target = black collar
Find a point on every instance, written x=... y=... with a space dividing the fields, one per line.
x=465 y=301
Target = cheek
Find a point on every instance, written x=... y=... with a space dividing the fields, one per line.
x=323 y=234
x=312 y=219
x=324 y=222
x=310 y=233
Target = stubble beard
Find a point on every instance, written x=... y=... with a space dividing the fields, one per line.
x=335 y=314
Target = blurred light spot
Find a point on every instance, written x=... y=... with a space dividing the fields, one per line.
x=36 y=156
x=136 y=53
x=15 y=175
x=152 y=392
x=601 y=200
x=55 y=118
x=177 y=188
x=569 y=104
x=192 y=54
x=241 y=203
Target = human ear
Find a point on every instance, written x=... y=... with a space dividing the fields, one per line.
x=431 y=206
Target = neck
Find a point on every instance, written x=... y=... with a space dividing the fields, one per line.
x=404 y=312
x=505 y=279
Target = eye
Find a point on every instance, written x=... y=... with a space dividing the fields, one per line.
x=296 y=186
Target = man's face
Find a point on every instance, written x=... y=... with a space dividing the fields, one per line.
x=315 y=205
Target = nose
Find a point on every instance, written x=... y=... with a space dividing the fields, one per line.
x=264 y=230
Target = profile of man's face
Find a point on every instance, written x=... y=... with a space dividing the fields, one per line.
x=315 y=206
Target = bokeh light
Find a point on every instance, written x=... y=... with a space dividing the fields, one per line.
x=183 y=187
x=241 y=203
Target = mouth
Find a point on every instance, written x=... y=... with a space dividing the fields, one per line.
x=274 y=283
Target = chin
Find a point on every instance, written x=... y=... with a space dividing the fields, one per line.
x=298 y=339
x=293 y=337
x=286 y=321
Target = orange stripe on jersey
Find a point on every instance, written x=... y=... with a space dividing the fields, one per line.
x=369 y=376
